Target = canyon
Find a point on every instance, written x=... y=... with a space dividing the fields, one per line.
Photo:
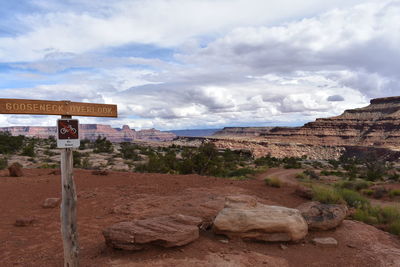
x=93 y=131
x=375 y=127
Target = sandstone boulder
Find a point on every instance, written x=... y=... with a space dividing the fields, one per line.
x=165 y=231
x=15 y=170
x=322 y=216
x=245 y=218
x=51 y=202
x=304 y=192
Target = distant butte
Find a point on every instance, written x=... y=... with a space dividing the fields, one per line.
x=92 y=131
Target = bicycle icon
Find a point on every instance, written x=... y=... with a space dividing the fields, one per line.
x=68 y=129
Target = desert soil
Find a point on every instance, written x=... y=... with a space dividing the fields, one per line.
x=120 y=196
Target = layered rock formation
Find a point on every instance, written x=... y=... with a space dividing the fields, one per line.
x=375 y=125
x=243 y=131
x=92 y=131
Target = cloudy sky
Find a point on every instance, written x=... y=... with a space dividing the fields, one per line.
x=177 y=64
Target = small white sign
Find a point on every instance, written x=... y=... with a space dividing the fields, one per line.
x=68 y=133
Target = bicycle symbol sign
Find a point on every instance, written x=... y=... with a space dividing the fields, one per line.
x=68 y=133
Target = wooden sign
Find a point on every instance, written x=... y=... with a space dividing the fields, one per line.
x=40 y=107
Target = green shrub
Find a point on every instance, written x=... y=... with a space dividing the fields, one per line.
x=3 y=163
x=365 y=216
x=394 y=193
x=354 y=199
x=368 y=192
x=242 y=172
x=388 y=215
x=10 y=144
x=301 y=176
x=394 y=228
x=312 y=174
x=273 y=182
x=354 y=185
x=128 y=151
x=29 y=150
x=327 y=195
x=102 y=145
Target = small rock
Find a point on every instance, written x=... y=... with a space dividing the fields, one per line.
x=224 y=241
x=325 y=242
x=283 y=247
x=51 y=202
x=15 y=170
x=323 y=216
x=24 y=222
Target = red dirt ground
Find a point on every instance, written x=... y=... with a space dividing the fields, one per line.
x=40 y=244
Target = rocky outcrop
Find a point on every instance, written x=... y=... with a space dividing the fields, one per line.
x=242 y=131
x=245 y=218
x=322 y=216
x=165 y=231
x=93 y=131
x=375 y=125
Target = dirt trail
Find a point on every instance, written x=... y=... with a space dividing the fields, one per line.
x=287 y=176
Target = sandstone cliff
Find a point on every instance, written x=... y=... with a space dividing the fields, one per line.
x=92 y=131
x=375 y=125
x=243 y=131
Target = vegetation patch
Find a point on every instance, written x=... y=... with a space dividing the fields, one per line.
x=273 y=182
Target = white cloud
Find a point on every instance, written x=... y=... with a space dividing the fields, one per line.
x=245 y=74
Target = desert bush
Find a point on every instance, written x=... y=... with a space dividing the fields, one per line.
x=394 y=228
x=354 y=199
x=3 y=163
x=327 y=195
x=29 y=149
x=273 y=182
x=52 y=142
x=128 y=151
x=394 y=177
x=312 y=174
x=10 y=144
x=301 y=176
x=365 y=216
x=242 y=172
x=368 y=192
x=85 y=164
x=394 y=193
x=102 y=145
x=84 y=144
x=292 y=163
x=267 y=161
x=354 y=184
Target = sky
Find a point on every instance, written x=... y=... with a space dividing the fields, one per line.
x=182 y=64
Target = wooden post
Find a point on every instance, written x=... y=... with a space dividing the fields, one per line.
x=68 y=209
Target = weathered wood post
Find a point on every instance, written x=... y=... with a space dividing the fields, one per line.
x=69 y=229
x=69 y=131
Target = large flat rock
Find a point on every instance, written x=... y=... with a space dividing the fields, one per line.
x=164 y=231
x=244 y=217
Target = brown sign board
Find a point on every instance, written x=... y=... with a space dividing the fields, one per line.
x=42 y=107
